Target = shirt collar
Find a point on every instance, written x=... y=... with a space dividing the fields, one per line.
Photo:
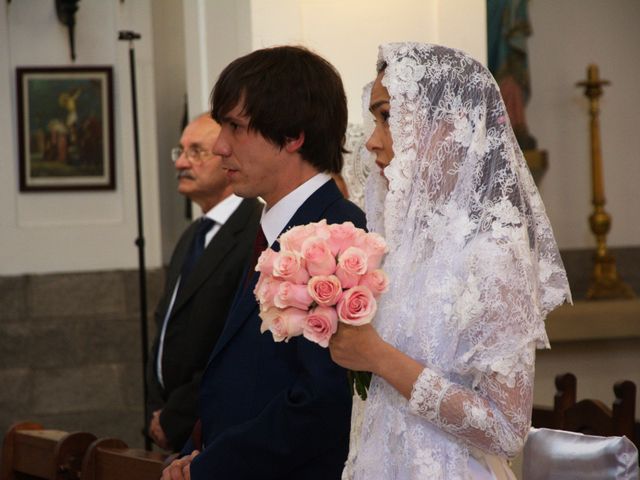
x=276 y=218
x=223 y=210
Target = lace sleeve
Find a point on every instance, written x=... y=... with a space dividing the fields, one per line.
x=493 y=416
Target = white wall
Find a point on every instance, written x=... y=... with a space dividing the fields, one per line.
x=76 y=231
x=170 y=87
x=215 y=34
x=567 y=36
x=81 y=231
x=347 y=33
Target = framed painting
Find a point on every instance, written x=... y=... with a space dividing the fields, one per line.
x=65 y=128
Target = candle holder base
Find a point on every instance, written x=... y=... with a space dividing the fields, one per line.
x=605 y=283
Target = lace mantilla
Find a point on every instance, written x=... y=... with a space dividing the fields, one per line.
x=474 y=270
x=357 y=163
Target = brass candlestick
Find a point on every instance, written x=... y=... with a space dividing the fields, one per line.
x=605 y=282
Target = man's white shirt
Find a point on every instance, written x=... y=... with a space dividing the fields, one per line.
x=277 y=217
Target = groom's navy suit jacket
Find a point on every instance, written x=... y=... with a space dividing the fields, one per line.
x=275 y=410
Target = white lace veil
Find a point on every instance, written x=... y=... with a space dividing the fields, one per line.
x=474 y=270
x=473 y=262
x=358 y=161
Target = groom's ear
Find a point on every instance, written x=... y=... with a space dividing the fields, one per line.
x=292 y=145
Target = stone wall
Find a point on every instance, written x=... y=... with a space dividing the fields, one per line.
x=70 y=351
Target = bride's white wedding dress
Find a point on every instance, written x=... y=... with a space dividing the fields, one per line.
x=474 y=270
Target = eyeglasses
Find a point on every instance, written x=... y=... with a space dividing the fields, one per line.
x=195 y=155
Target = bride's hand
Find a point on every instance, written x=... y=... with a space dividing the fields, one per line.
x=356 y=348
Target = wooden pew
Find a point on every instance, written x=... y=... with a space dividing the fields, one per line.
x=29 y=452
x=565 y=396
x=590 y=416
x=111 y=459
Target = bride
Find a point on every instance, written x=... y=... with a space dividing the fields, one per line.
x=474 y=270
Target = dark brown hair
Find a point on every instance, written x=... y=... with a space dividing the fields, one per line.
x=287 y=91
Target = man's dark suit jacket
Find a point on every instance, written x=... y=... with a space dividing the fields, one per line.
x=197 y=318
x=275 y=410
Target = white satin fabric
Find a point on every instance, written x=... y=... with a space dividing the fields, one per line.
x=474 y=270
x=560 y=455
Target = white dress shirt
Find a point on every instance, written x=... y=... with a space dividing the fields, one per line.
x=220 y=214
x=277 y=217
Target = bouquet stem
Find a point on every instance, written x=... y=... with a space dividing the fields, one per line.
x=359 y=383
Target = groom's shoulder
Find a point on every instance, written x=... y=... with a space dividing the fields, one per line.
x=344 y=210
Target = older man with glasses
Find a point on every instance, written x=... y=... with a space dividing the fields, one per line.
x=202 y=277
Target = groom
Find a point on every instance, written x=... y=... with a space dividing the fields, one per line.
x=275 y=410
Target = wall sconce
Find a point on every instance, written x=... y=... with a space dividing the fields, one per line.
x=66 y=11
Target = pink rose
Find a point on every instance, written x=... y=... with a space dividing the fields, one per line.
x=375 y=247
x=292 y=295
x=265 y=261
x=291 y=240
x=283 y=324
x=343 y=236
x=318 y=258
x=321 y=323
x=321 y=229
x=325 y=290
x=357 y=306
x=352 y=264
x=376 y=281
x=266 y=290
x=288 y=266
x=267 y=315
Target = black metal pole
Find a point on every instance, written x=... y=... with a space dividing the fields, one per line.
x=130 y=37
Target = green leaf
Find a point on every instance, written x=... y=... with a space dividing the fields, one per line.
x=359 y=383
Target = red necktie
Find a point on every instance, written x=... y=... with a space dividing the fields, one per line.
x=196 y=436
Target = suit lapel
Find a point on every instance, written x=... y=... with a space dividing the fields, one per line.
x=245 y=305
x=312 y=210
x=215 y=253
x=173 y=272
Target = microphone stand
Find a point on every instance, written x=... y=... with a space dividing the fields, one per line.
x=130 y=36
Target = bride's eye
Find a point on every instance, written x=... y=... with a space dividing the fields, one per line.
x=385 y=115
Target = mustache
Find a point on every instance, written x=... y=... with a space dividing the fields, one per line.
x=185 y=174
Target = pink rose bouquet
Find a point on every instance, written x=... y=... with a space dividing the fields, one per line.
x=323 y=274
